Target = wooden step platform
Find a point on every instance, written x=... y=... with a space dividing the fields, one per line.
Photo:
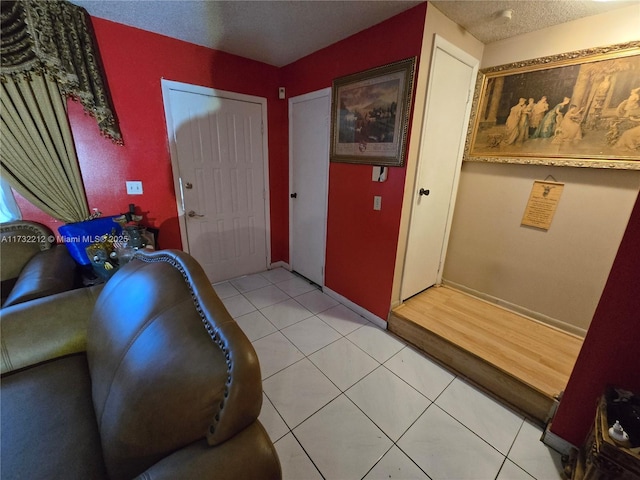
x=521 y=361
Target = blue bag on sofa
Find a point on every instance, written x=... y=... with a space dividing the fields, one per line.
x=78 y=236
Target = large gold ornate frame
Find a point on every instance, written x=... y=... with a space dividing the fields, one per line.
x=597 y=93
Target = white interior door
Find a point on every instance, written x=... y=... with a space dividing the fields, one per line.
x=448 y=105
x=217 y=152
x=308 y=170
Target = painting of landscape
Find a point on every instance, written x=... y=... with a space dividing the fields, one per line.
x=370 y=115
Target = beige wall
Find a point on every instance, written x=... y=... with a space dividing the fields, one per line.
x=435 y=23
x=558 y=275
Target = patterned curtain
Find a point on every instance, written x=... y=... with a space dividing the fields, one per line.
x=47 y=53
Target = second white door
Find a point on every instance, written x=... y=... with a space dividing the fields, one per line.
x=309 y=170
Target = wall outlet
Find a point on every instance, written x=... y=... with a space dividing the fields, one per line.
x=377 y=202
x=134 y=188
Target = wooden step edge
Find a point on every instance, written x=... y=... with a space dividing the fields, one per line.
x=531 y=359
x=477 y=358
x=518 y=395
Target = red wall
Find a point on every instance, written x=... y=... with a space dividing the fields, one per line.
x=610 y=354
x=134 y=62
x=361 y=242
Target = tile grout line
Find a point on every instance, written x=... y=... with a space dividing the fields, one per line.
x=343 y=392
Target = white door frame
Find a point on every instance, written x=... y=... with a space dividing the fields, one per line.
x=302 y=98
x=167 y=86
x=441 y=44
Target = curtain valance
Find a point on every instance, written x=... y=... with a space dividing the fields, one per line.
x=55 y=38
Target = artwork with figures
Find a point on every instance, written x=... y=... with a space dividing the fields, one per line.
x=574 y=109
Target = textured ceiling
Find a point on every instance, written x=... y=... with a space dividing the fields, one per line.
x=273 y=32
x=280 y=32
x=482 y=18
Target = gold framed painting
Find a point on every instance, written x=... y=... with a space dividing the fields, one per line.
x=370 y=115
x=578 y=109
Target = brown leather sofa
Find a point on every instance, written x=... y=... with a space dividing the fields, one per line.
x=146 y=376
x=32 y=265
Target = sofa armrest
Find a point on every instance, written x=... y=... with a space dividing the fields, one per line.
x=46 y=328
x=46 y=273
x=21 y=240
x=248 y=455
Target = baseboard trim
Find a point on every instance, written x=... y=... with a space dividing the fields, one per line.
x=280 y=264
x=356 y=308
x=552 y=322
x=555 y=442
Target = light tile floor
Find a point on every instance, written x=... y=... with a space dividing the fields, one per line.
x=344 y=399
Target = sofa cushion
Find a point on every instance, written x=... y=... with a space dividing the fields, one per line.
x=169 y=366
x=48 y=424
x=47 y=273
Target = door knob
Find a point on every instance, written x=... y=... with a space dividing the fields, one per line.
x=193 y=214
x=294 y=195
x=188 y=185
x=424 y=192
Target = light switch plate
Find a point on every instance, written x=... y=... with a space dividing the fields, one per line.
x=134 y=187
